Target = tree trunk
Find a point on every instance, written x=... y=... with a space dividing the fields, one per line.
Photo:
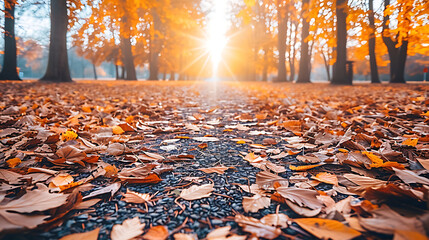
x=123 y=73
x=281 y=42
x=172 y=76
x=58 y=66
x=265 y=67
x=117 y=71
x=9 y=68
x=95 y=71
x=371 y=45
x=304 y=61
x=128 y=59
x=326 y=62
x=340 y=72
x=397 y=54
x=292 y=55
x=154 y=48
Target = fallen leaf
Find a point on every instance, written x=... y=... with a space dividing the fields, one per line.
x=326 y=178
x=91 y=235
x=303 y=168
x=412 y=142
x=129 y=229
x=116 y=149
x=156 y=233
x=36 y=200
x=276 y=220
x=13 y=162
x=110 y=189
x=410 y=177
x=183 y=236
x=71 y=153
x=302 y=197
x=218 y=170
x=327 y=228
x=206 y=139
x=387 y=221
x=266 y=180
x=117 y=130
x=197 y=192
x=256 y=227
x=135 y=197
x=255 y=203
x=62 y=179
x=219 y=233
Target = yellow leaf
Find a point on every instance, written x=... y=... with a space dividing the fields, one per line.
x=327 y=228
x=302 y=168
x=241 y=142
x=410 y=142
x=13 y=162
x=117 y=130
x=68 y=135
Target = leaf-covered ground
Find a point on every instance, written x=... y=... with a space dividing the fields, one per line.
x=188 y=160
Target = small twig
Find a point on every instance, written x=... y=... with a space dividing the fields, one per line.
x=180 y=205
x=210 y=224
x=179 y=227
x=222 y=195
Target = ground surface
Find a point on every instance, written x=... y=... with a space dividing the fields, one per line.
x=263 y=160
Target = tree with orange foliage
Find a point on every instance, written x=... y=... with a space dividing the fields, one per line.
x=408 y=34
x=9 y=68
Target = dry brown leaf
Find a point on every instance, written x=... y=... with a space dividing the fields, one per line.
x=255 y=203
x=71 y=153
x=326 y=178
x=424 y=162
x=387 y=221
x=183 y=236
x=156 y=233
x=135 y=197
x=111 y=190
x=41 y=170
x=88 y=203
x=9 y=176
x=327 y=228
x=302 y=197
x=266 y=180
x=129 y=229
x=256 y=227
x=274 y=167
x=219 y=233
x=91 y=235
x=303 y=211
x=218 y=170
x=410 y=177
x=62 y=179
x=36 y=200
x=116 y=149
x=363 y=181
x=276 y=220
x=197 y=192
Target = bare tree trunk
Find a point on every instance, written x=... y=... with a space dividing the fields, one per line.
x=128 y=59
x=58 y=66
x=281 y=41
x=340 y=72
x=304 y=61
x=117 y=71
x=326 y=62
x=397 y=54
x=123 y=72
x=95 y=71
x=292 y=54
x=172 y=76
x=9 y=68
x=265 y=68
x=371 y=44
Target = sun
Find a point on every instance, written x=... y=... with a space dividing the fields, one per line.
x=217 y=28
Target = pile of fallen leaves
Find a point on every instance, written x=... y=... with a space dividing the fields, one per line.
x=360 y=168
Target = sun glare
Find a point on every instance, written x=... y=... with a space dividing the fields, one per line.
x=216 y=33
